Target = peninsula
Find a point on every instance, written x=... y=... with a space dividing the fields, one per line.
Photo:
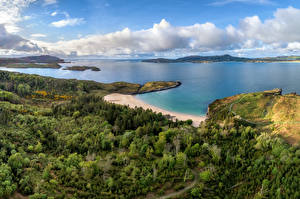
x=32 y=59
x=43 y=61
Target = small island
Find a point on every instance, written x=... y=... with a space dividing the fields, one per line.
x=82 y=68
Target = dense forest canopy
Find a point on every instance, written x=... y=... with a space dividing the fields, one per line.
x=59 y=139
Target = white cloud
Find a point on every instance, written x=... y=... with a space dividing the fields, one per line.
x=68 y=22
x=38 y=35
x=283 y=28
x=161 y=37
x=27 y=17
x=49 y=2
x=53 y=14
x=225 y=2
x=10 y=13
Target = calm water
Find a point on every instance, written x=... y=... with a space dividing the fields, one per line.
x=201 y=83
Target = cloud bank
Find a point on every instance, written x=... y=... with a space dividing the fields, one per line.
x=160 y=38
x=11 y=41
x=279 y=33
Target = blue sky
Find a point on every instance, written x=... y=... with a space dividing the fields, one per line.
x=126 y=27
x=105 y=16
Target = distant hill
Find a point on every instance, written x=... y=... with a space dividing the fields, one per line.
x=200 y=59
x=32 y=59
x=223 y=58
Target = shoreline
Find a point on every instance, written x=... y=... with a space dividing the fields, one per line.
x=132 y=102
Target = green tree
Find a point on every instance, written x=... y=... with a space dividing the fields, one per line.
x=7 y=186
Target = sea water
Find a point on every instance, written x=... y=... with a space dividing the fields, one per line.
x=201 y=83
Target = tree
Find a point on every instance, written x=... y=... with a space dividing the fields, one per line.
x=160 y=144
x=7 y=186
x=17 y=162
x=205 y=175
x=181 y=160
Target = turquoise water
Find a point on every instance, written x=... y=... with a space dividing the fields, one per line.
x=201 y=83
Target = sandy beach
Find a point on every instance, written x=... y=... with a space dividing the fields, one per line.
x=133 y=102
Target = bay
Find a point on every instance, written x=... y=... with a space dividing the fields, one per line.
x=201 y=83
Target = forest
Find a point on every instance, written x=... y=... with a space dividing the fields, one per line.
x=59 y=139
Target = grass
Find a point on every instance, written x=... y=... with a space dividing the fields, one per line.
x=158 y=85
x=269 y=109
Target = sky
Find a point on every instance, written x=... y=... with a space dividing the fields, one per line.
x=149 y=28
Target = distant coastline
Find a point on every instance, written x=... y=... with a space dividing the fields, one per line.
x=224 y=58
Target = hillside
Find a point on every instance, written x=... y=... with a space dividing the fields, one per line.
x=268 y=110
x=31 y=59
x=30 y=83
x=59 y=139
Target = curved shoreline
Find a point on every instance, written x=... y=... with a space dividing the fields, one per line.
x=133 y=102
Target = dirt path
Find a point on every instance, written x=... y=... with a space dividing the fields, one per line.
x=171 y=195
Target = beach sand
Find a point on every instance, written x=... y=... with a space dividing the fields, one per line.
x=133 y=102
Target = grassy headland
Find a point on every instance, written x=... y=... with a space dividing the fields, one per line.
x=158 y=86
x=268 y=110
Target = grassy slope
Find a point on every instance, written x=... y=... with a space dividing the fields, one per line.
x=269 y=110
x=236 y=167
x=158 y=85
x=74 y=87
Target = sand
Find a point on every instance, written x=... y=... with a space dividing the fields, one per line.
x=133 y=102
